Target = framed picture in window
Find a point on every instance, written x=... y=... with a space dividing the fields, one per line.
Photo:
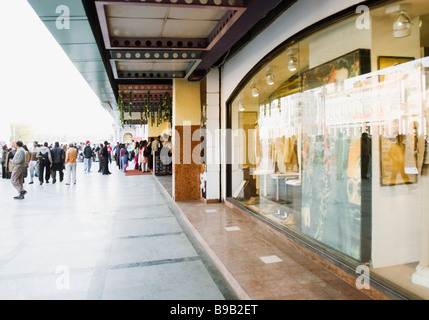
x=388 y=62
x=348 y=66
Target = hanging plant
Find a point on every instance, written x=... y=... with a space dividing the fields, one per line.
x=152 y=116
x=159 y=114
x=121 y=108
x=169 y=107
x=130 y=104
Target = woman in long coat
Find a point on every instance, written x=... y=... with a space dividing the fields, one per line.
x=8 y=163
x=3 y=157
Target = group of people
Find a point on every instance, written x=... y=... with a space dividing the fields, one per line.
x=102 y=152
x=44 y=161
x=139 y=152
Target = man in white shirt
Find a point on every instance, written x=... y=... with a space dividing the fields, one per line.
x=33 y=161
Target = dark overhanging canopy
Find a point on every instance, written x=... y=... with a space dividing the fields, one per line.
x=117 y=44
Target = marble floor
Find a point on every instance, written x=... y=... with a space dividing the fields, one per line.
x=105 y=238
x=115 y=237
x=261 y=265
x=258 y=265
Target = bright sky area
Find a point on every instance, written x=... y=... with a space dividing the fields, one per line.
x=39 y=85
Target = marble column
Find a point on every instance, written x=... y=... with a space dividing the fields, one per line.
x=186 y=140
x=213 y=137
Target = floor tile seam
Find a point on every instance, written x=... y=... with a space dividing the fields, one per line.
x=154 y=235
x=104 y=238
x=107 y=267
x=153 y=263
x=145 y=218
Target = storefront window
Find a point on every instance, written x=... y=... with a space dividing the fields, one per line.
x=330 y=142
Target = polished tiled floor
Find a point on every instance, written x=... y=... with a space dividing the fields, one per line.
x=117 y=237
x=263 y=266
x=107 y=237
x=259 y=265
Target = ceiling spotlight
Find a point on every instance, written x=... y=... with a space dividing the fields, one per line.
x=270 y=76
x=402 y=26
x=241 y=107
x=255 y=91
x=292 y=64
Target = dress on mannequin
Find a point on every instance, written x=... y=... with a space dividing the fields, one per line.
x=291 y=155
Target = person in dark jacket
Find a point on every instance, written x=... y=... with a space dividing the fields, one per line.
x=58 y=159
x=45 y=163
x=105 y=159
x=87 y=157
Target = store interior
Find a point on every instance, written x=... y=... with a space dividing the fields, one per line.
x=298 y=155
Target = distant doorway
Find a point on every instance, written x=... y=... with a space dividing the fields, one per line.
x=128 y=138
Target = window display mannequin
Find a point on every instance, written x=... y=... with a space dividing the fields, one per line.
x=285 y=154
x=280 y=154
x=393 y=157
x=291 y=154
x=397 y=155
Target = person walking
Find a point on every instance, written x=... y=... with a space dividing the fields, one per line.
x=109 y=151
x=58 y=159
x=136 y=149
x=116 y=155
x=19 y=162
x=3 y=161
x=124 y=157
x=27 y=161
x=100 y=158
x=87 y=158
x=105 y=159
x=145 y=155
x=149 y=148
x=71 y=164
x=8 y=163
x=33 y=165
x=45 y=163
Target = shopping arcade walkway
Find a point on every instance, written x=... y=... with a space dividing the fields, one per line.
x=117 y=247
x=116 y=237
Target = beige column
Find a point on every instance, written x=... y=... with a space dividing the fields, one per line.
x=186 y=140
x=213 y=137
x=158 y=130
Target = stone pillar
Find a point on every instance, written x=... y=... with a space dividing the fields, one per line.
x=186 y=140
x=213 y=137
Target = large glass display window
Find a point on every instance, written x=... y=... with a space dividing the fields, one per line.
x=330 y=142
